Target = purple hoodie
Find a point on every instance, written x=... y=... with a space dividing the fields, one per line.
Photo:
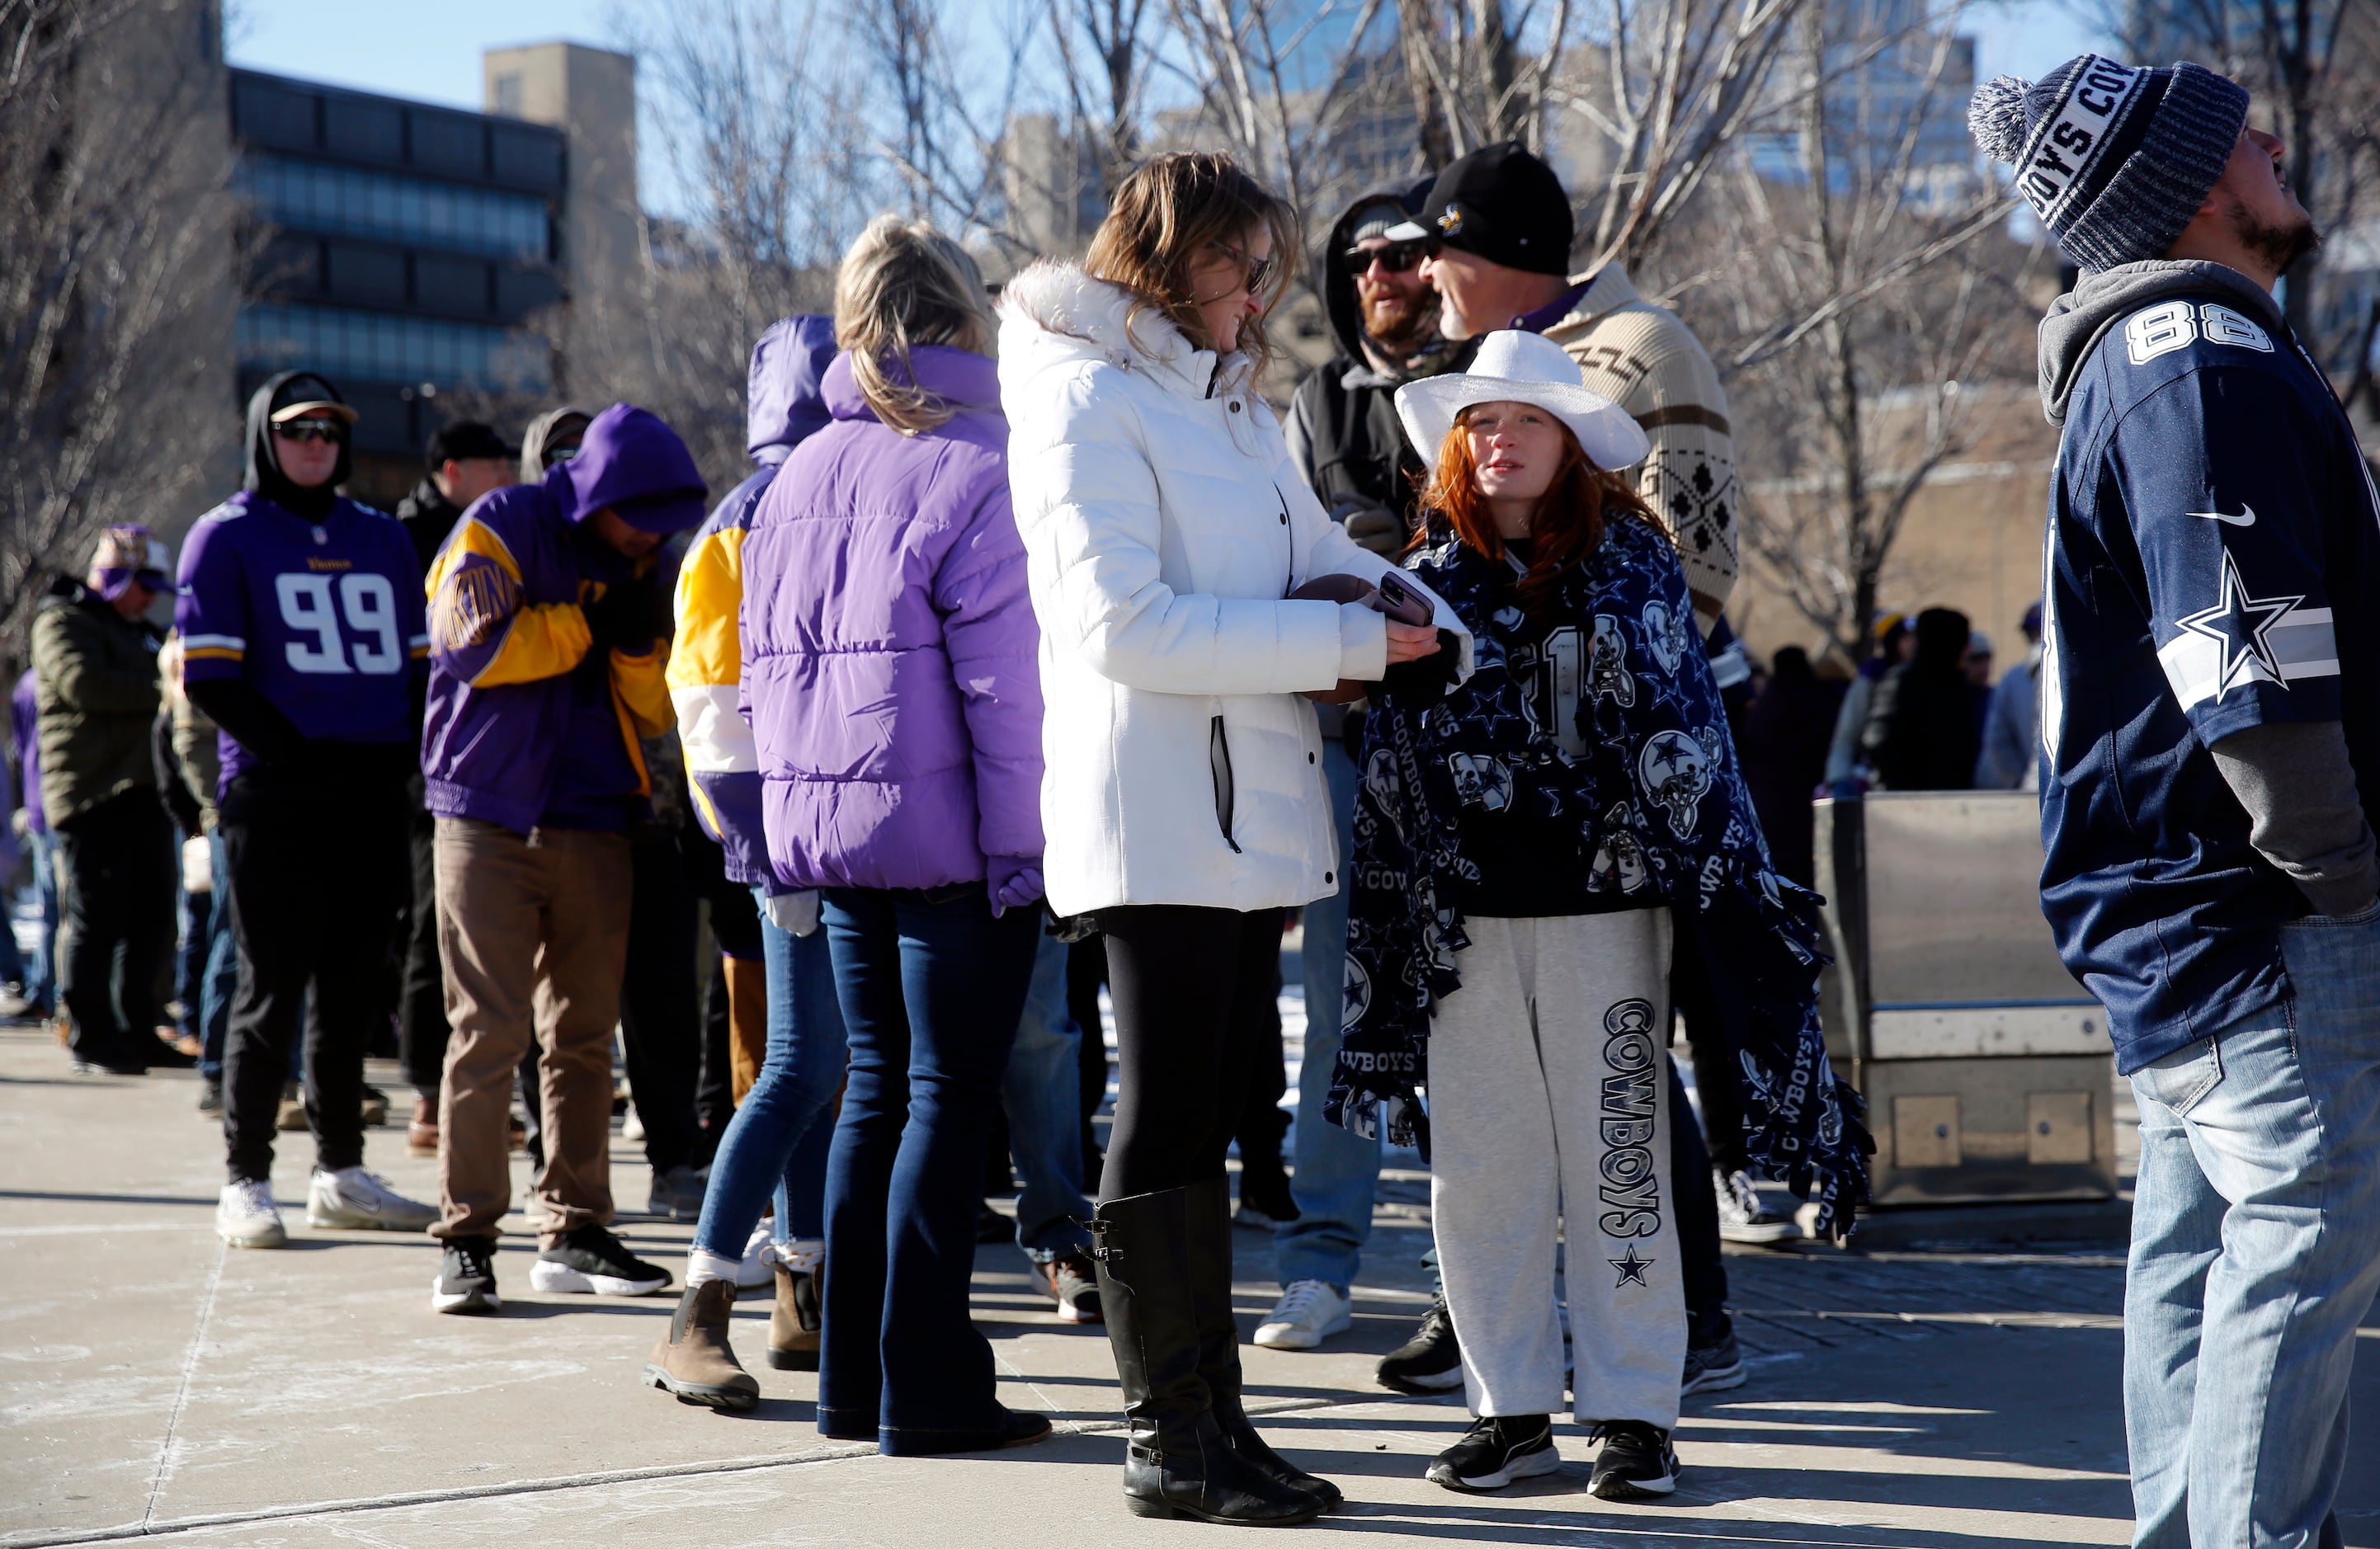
x=25 y=716
x=891 y=667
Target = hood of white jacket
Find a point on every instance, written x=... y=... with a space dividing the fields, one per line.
x=1055 y=314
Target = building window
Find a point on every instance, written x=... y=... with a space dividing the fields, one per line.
x=311 y=196
x=508 y=94
x=380 y=347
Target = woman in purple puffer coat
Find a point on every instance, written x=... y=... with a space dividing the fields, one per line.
x=889 y=674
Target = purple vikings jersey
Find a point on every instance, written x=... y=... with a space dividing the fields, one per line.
x=326 y=621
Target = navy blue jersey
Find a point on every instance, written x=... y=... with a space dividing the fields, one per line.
x=327 y=620
x=2213 y=562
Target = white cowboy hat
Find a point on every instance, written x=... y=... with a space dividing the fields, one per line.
x=1524 y=367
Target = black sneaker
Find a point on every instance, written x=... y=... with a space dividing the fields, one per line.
x=467 y=1277
x=1431 y=1361
x=591 y=1261
x=1713 y=1366
x=1638 y=1463
x=211 y=1095
x=1497 y=1450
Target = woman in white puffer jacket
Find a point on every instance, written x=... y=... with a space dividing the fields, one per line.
x=1183 y=805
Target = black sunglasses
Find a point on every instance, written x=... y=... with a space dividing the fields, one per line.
x=1396 y=258
x=308 y=429
x=1259 y=268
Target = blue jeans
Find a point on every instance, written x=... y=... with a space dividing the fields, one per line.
x=779 y=1138
x=1335 y=1169
x=221 y=979
x=42 y=974
x=2255 y=1254
x=1041 y=1092
x=931 y=988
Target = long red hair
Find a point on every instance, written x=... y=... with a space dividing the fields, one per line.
x=1565 y=527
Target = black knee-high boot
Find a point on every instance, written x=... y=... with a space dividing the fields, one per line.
x=1177 y=1461
x=1219 y=1342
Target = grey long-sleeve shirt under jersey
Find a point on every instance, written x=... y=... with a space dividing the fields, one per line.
x=2305 y=812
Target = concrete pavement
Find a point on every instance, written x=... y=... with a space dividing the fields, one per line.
x=154 y=1383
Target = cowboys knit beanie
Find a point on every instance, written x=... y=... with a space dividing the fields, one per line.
x=2114 y=159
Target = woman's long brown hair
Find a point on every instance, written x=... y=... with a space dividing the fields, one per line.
x=1174 y=211
x=1565 y=527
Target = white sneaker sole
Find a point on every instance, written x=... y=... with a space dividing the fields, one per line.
x=1763 y=1234
x=1431 y=1382
x=1529 y=1465
x=1068 y=1314
x=1297 y=1337
x=1714 y=1382
x=463 y=1301
x=547 y=1276
x=275 y=1236
x=357 y=1221
x=1616 y=1489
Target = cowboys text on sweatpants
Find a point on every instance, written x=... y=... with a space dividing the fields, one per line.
x=1549 y=1087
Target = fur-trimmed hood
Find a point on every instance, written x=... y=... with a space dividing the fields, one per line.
x=1054 y=314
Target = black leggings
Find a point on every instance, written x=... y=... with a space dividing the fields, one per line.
x=1186 y=984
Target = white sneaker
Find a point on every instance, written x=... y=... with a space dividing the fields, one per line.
x=758 y=1270
x=356 y=1199
x=1308 y=1312
x=1742 y=1216
x=246 y=1217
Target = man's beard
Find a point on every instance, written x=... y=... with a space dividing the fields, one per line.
x=2279 y=246
x=1405 y=326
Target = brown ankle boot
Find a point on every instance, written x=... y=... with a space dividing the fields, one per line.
x=794 y=1323
x=693 y=1359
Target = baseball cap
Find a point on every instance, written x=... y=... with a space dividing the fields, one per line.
x=309 y=397
x=463 y=439
x=127 y=554
x=1500 y=203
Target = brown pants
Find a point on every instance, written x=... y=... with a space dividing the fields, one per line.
x=748 y=1022
x=531 y=932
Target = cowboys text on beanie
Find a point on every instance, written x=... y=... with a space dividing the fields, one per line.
x=2114 y=159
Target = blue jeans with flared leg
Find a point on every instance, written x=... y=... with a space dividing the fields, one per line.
x=931 y=988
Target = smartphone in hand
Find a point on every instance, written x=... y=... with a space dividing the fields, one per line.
x=1401 y=602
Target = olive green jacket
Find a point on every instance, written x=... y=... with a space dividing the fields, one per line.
x=95 y=678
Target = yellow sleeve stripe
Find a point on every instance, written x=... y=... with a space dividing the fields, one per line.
x=217 y=653
x=542 y=641
x=710 y=647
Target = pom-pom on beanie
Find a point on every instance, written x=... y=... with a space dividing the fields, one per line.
x=2114 y=159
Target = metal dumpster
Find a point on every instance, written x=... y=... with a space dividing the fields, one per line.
x=1987 y=1068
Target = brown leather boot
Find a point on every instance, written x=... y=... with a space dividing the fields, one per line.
x=693 y=1361
x=421 y=1129
x=794 y=1323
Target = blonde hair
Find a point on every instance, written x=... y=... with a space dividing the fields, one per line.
x=1171 y=213
x=903 y=285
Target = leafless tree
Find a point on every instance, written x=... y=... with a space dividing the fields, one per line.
x=1475 y=80
x=115 y=191
x=1870 y=306
x=760 y=102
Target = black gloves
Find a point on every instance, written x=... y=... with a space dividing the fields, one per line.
x=630 y=615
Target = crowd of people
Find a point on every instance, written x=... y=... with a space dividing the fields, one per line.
x=1036 y=656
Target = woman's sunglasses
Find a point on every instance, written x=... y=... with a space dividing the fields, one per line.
x=1259 y=268
x=1396 y=258
x=308 y=429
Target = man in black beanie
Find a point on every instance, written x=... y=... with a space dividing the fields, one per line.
x=2210 y=705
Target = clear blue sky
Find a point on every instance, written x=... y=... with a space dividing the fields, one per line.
x=430 y=49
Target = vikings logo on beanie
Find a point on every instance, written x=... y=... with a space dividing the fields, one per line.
x=2114 y=159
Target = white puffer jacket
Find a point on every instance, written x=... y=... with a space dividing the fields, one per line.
x=1164 y=524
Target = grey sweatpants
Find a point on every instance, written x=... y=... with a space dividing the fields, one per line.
x=1548 y=1088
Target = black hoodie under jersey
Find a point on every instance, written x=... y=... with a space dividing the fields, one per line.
x=263 y=473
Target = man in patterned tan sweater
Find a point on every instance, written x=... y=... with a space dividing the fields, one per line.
x=1503 y=225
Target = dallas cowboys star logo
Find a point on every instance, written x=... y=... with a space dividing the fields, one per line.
x=2239 y=624
x=1632 y=1268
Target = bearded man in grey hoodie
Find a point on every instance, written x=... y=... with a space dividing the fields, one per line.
x=2210 y=762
